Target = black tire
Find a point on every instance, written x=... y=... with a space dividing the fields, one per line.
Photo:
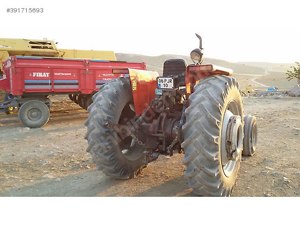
x=75 y=98
x=110 y=105
x=250 y=135
x=81 y=101
x=71 y=97
x=34 y=113
x=89 y=101
x=202 y=133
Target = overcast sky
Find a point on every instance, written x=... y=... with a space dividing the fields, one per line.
x=232 y=30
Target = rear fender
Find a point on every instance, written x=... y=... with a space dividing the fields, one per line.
x=196 y=73
x=143 y=85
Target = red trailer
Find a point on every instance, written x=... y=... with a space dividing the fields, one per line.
x=28 y=81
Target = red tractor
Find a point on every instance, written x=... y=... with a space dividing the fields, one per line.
x=196 y=110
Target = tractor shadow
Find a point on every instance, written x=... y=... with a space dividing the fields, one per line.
x=95 y=183
x=173 y=188
x=85 y=184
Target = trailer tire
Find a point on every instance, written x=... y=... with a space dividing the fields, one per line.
x=75 y=98
x=209 y=171
x=34 y=113
x=108 y=150
x=81 y=100
x=71 y=97
x=89 y=101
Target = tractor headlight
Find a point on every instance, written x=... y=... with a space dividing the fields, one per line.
x=196 y=55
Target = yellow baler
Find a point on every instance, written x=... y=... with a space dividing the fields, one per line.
x=29 y=47
x=47 y=48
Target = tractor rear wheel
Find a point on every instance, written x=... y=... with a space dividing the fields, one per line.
x=34 y=113
x=213 y=136
x=250 y=135
x=118 y=157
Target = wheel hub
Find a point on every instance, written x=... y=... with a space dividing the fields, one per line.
x=232 y=141
x=234 y=137
x=34 y=114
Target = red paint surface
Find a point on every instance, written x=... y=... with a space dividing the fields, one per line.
x=86 y=72
x=143 y=95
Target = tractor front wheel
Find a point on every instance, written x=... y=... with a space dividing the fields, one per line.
x=213 y=136
x=118 y=156
x=250 y=135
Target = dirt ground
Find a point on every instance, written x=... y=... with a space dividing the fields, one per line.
x=52 y=161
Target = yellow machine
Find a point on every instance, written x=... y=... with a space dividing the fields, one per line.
x=27 y=47
x=47 y=48
x=87 y=54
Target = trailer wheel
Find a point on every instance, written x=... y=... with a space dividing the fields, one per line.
x=81 y=100
x=34 y=113
x=250 y=137
x=89 y=101
x=71 y=97
x=213 y=136
x=118 y=157
x=75 y=98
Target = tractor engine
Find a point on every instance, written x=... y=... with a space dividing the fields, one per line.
x=159 y=126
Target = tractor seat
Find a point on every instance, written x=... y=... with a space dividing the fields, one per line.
x=175 y=67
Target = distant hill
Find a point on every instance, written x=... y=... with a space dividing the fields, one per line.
x=153 y=62
x=274 y=67
x=243 y=71
x=156 y=62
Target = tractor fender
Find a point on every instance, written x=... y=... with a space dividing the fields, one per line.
x=143 y=85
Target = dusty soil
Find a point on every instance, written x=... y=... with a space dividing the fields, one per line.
x=52 y=161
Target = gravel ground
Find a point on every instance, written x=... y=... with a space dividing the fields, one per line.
x=52 y=161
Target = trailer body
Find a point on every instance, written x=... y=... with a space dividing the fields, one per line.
x=28 y=81
x=40 y=75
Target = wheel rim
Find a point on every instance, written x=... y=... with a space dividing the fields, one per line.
x=232 y=138
x=253 y=140
x=130 y=147
x=34 y=114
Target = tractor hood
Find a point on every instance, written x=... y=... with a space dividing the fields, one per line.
x=143 y=85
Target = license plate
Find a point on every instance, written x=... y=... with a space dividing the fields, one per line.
x=165 y=83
